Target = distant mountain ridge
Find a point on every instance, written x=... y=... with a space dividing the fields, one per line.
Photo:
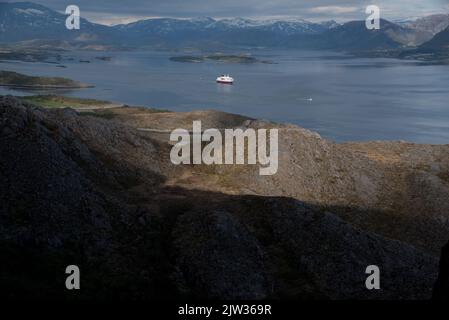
x=235 y=31
x=439 y=42
x=432 y=24
x=25 y=21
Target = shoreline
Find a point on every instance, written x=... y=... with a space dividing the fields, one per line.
x=86 y=105
x=45 y=86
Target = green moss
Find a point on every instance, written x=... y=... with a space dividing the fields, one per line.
x=54 y=101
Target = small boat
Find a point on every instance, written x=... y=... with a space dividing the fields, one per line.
x=225 y=79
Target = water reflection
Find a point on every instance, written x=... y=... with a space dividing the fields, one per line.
x=224 y=88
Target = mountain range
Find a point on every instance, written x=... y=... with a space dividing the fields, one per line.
x=28 y=21
x=25 y=21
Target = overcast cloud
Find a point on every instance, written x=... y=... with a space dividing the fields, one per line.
x=122 y=11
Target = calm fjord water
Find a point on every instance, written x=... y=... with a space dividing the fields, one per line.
x=342 y=98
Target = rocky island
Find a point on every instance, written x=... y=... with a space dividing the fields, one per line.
x=219 y=58
x=18 y=80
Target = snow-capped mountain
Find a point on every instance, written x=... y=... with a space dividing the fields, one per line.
x=25 y=21
x=28 y=21
x=289 y=26
x=168 y=25
x=330 y=24
x=232 y=31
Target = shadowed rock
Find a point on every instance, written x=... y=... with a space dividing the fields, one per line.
x=441 y=290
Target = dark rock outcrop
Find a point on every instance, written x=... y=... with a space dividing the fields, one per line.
x=441 y=290
x=251 y=247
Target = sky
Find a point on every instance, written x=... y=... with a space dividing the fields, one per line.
x=125 y=11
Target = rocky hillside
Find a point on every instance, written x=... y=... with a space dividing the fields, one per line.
x=96 y=188
x=432 y=24
x=439 y=42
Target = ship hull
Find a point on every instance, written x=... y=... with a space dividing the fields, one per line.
x=225 y=82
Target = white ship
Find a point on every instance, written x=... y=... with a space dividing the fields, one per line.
x=225 y=79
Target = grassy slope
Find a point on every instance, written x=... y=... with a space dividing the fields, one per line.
x=90 y=107
x=54 y=101
x=9 y=78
